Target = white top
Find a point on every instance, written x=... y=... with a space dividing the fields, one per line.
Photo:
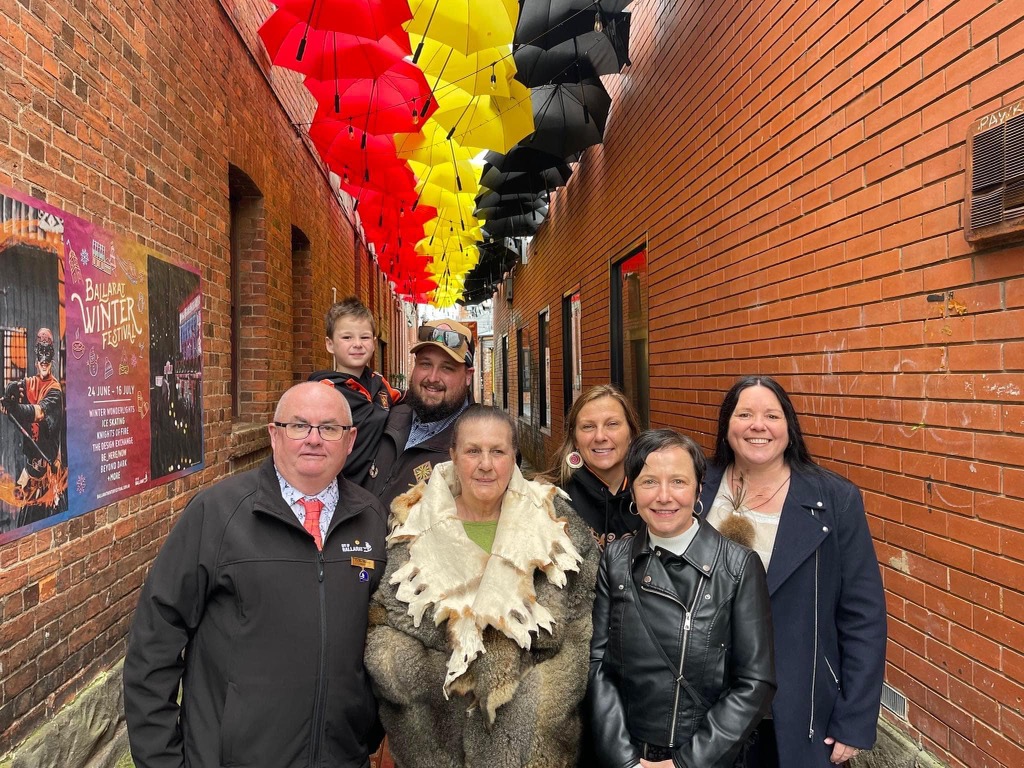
x=677 y=544
x=766 y=526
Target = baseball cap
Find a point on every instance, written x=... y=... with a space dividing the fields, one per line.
x=454 y=338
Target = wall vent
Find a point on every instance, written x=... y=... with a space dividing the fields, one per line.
x=995 y=177
x=894 y=701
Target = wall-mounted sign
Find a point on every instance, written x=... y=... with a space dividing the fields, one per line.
x=101 y=353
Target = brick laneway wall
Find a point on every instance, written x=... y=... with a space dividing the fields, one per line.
x=145 y=119
x=796 y=171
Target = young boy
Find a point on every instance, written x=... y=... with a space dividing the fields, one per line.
x=352 y=338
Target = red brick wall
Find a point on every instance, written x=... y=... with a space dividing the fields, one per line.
x=798 y=171
x=129 y=116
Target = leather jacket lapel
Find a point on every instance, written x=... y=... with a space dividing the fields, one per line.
x=800 y=532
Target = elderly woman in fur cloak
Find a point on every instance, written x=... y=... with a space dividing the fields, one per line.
x=479 y=634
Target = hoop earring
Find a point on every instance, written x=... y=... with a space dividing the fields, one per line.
x=573 y=460
x=700 y=503
x=632 y=509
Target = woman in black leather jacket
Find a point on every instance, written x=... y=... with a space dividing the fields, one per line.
x=677 y=597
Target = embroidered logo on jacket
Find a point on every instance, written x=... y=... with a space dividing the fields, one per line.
x=357 y=547
x=422 y=472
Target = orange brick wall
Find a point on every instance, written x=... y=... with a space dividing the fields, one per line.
x=129 y=116
x=797 y=169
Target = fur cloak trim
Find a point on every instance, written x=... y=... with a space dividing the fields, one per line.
x=469 y=588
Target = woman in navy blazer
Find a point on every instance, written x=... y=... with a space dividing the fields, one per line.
x=828 y=607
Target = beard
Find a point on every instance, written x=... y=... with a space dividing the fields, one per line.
x=450 y=404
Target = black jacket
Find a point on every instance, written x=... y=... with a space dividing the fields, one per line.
x=829 y=611
x=606 y=512
x=371 y=398
x=272 y=632
x=395 y=470
x=725 y=649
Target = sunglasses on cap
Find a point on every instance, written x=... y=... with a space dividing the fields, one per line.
x=450 y=339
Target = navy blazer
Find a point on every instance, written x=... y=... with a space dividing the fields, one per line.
x=829 y=614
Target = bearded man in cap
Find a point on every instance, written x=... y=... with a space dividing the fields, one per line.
x=418 y=431
x=35 y=405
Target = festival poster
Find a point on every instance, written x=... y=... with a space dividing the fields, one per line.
x=101 y=395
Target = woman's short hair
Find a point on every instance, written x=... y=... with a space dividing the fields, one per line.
x=659 y=440
x=559 y=472
x=477 y=412
x=796 y=453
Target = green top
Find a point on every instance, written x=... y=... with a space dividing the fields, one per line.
x=482 y=534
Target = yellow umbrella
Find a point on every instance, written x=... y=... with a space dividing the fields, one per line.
x=465 y=25
x=486 y=122
x=485 y=72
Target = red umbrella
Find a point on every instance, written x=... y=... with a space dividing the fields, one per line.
x=367 y=18
x=389 y=103
x=343 y=145
x=397 y=182
x=324 y=55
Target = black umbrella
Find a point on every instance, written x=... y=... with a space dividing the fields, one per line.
x=513 y=226
x=582 y=57
x=523 y=158
x=513 y=205
x=546 y=23
x=497 y=257
x=515 y=182
x=568 y=117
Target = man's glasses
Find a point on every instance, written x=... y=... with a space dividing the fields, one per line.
x=298 y=431
x=450 y=339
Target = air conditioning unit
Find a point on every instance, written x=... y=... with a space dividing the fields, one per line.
x=994 y=203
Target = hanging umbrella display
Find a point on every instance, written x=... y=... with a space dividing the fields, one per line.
x=366 y=18
x=326 y=55
x=582 y=57
x=569 y=117
x=465 y=25
x=546 y=23
x=388 y=103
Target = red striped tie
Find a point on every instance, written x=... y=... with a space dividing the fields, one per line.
x=312 y=521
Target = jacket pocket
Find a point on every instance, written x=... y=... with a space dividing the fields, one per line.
x=262 y=726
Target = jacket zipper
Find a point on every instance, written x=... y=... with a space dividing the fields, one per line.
x=687 y=623
x=318 y=704
x=814 y=662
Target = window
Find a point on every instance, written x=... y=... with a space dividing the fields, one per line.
x=305 y=329
x=544 y=380
x=248 y=294
x=629 y=331
x=525 y=375
x=504 y=372
x=572 y=350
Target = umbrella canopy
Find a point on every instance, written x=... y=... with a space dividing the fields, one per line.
x=546 y=23
x=366 y=18
x=487 y=122
x=325 y=55
x=585 y=56
x=525 y=158
x=520 y=183
x=388 y=103
x=514 y=226
x=482 y=73
x=494 y=206
x=465 y=25
x=569 y=117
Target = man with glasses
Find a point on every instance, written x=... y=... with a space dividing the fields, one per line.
x=418 y=431
x=257 y=606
